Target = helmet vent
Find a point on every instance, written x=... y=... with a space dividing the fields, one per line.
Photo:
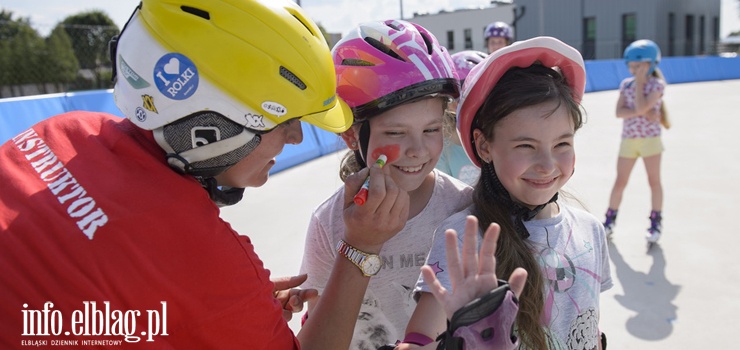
x=392 y=25
x=383 y=48
x=197 y=12
x=289 y=76
x=355 y=62
x=304 y=24
x=428 y=42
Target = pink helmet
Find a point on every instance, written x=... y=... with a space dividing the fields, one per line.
x=381 y=65
x=548 y=51
x=499 y=29
x=465 y=61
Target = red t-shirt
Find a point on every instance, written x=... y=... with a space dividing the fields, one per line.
x=90 y=212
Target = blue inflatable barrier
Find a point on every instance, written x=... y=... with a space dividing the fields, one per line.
x=608 y=74
x=98 y=100
x=20 y=113
x=603 y=75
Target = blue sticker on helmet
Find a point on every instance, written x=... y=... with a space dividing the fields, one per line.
x=176 y=76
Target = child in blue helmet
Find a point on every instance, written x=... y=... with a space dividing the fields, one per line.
x=641 y=106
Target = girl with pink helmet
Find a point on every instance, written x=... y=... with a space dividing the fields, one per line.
x=518 y=114
x=453 y=160
x=397 y=79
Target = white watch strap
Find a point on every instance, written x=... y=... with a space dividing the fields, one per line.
x=352 y=254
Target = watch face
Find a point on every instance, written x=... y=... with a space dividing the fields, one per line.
x=371 y=265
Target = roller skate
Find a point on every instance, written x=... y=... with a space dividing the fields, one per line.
x=653 y=234
x=610 y=222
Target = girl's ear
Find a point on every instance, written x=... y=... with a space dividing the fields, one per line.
x=350 y=138
x=482 y=146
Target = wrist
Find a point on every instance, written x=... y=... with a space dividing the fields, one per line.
x=364 y=246
x=368 y=263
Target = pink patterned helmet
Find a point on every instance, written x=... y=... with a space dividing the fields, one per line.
x=465 y=61
x=499 y=29
x=548 y=51
x=381 y=65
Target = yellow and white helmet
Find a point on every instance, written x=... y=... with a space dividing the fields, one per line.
x=208 y=77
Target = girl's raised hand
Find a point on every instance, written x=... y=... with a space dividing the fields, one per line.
x=474 y=274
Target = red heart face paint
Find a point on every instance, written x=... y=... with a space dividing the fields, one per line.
x=390 y=151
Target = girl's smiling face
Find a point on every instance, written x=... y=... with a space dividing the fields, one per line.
x=532 y=151
x=415 y=130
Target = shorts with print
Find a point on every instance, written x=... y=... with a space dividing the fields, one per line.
x=640 y=147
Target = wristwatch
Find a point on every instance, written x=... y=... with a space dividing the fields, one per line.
x=368 y=263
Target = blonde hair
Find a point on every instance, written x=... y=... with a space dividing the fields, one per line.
x=663 y=111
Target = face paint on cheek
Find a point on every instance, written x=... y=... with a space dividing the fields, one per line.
x=390 y=151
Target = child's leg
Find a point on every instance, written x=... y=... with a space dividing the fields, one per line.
x=652 y=167
x=624 y=168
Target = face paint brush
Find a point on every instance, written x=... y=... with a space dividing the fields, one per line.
x=361 y=196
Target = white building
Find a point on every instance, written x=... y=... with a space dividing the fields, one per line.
x=600 y=29
x=463 y=29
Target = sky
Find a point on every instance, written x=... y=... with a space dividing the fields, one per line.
x=336 y=16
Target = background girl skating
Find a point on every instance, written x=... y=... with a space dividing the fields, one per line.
x=641 y=106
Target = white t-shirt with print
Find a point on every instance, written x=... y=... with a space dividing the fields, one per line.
x=388 y=302
x=572 y=251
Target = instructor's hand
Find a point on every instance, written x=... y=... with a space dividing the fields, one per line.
x=291 y=298
x=382 y=216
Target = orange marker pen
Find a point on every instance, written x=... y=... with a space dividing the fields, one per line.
x=361 y=196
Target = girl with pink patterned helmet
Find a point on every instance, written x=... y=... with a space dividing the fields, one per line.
x=465 y=61
x=398 y=80
x=453 y=160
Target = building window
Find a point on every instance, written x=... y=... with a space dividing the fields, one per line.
x=485 y=42
x=689 y=49
x=589 y=38
x=629 y=29
x=715 y=35
x=671 y=34
x=702 y=48
x=450 y=40
x=468 y=39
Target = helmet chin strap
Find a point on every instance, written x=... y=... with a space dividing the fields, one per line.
x=364 y=138
x=519 y=212
x=221 y=195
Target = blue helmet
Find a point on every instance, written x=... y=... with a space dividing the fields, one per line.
x=643 y=51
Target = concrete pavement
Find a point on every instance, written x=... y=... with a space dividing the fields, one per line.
x=683 y=294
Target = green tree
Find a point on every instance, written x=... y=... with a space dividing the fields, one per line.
x=90 y=33
x=21 y=49
x=61 y=64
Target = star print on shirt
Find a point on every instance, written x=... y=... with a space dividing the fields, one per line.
x=435 y=267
